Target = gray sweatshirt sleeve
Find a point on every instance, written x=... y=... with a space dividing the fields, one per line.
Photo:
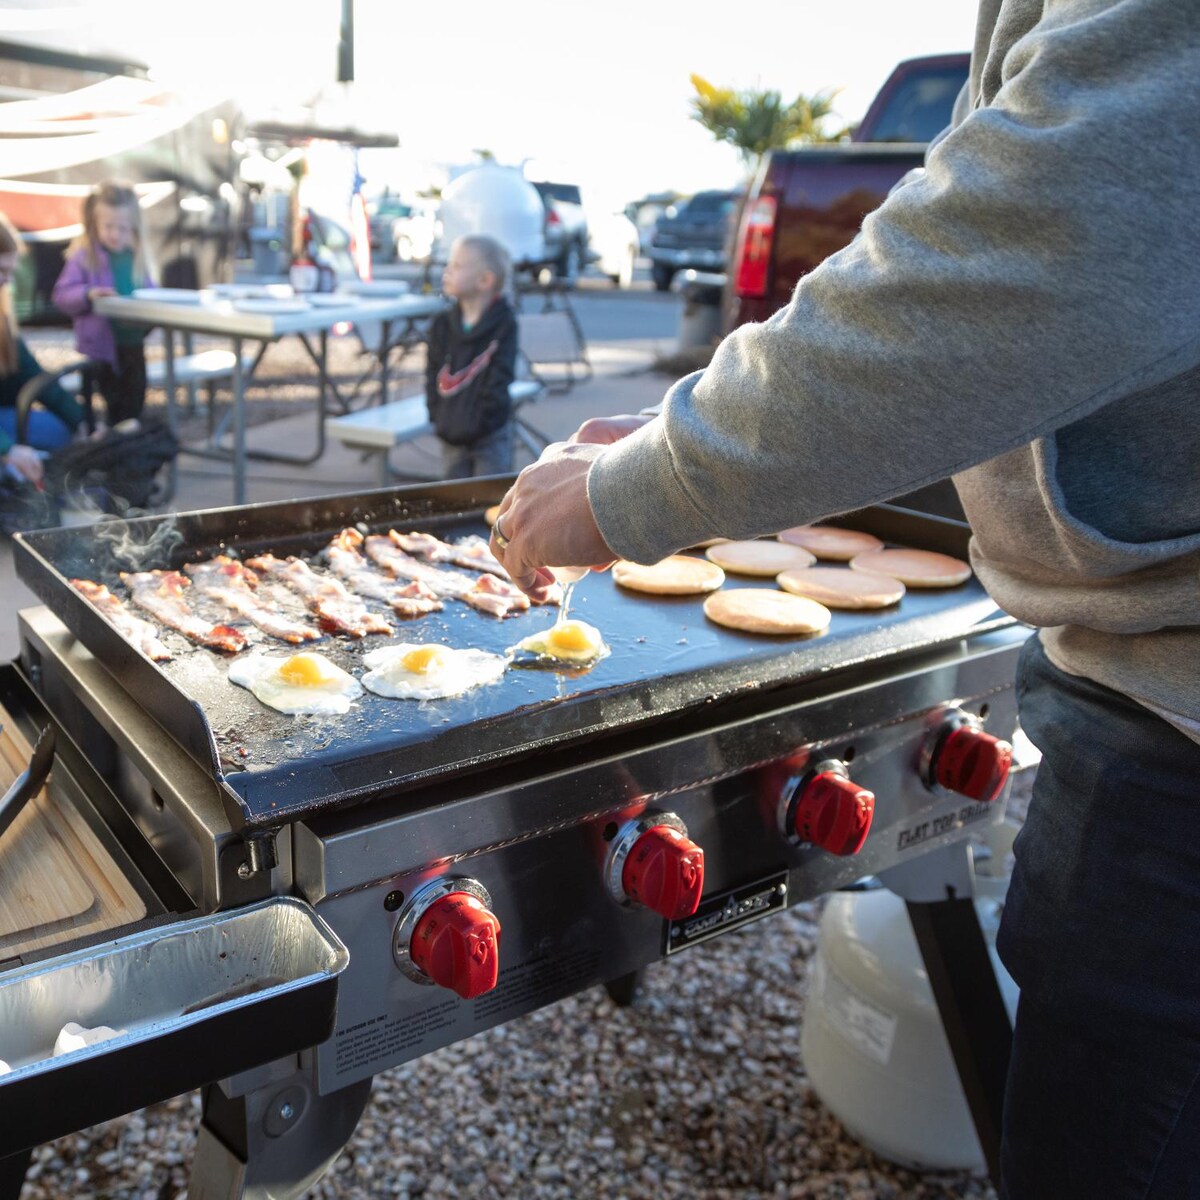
x=1045 y=263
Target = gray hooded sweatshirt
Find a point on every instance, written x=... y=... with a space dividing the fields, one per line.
x=1025 y=316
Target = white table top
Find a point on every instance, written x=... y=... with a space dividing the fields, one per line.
x=223 y=316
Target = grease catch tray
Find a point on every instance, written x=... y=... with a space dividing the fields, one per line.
x=196 y=1000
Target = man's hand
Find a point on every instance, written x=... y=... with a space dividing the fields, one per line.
x=546 y=520
x=27 y=462
x=603 y=431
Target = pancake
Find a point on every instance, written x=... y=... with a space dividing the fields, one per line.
x=761 y=558
x=829 y=542
x=915 y=568
x=704 y=545
x=838 y=587
x=764 y=610
x=679 y=575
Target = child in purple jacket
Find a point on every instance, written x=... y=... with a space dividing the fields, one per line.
x=108 y=259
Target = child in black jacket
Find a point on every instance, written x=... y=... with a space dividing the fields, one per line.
x=471 y=361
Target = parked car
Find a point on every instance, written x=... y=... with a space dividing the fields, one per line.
x=614 y=246
x=692 y=235
x=566 y=227
x=646 y=214
x=382 y=211
x=805 y=205
x=414 y=233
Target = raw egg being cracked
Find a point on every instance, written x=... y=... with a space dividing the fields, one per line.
x=429 y=672
x=564 y=644
x=300 y=683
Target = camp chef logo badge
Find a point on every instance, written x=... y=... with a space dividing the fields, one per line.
x=729 y=910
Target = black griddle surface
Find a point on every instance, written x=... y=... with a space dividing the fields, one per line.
x=666 y=657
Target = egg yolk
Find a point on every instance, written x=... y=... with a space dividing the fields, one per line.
x=570 y=635
x=424 y=659
x=303 y=670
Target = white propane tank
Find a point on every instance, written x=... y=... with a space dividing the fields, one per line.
x=499 y=202
x=872 y=1042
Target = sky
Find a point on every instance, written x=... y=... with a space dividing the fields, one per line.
x=594 y=93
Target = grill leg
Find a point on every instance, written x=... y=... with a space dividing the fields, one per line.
x=12 y=1174
x=623 y=991
x=275 y=1142
x=972 y=1011
x=938 y=888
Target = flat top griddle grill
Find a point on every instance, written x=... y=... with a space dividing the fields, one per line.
x=666 y=659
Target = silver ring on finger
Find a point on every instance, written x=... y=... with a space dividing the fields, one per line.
x=498 y=534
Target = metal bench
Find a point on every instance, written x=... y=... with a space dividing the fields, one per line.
x=377 y=430
x=208 y=367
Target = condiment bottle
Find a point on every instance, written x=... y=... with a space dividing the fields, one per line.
x=304 y=275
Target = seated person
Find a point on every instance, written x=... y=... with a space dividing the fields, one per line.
x=47 y=430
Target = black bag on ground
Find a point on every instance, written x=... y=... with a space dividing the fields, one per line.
x=23 y=506
x=120 y=466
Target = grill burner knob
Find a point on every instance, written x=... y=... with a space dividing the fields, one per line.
x=970 y=762
x=456 y=943
x=828 y=809
x=665 y=872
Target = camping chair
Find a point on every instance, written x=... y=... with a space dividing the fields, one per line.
x=551 y=341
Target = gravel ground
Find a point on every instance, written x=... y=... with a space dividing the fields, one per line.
x=696 y=1092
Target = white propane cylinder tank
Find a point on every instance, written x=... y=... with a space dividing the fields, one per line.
x=872 y=1041
x=499 y=202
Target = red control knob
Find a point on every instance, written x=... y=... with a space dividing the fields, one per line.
x=973 y=763
x=833 y=812
x=456 y=943
x=665 y=872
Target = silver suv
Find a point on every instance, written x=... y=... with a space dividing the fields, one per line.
x=566 y=227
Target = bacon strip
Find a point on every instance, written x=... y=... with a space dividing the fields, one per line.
x=160 y=593
x=229 y=583
x=338 y=610
x=471 y=552
x=487 y=594
x=345 y=560
x=141 y=634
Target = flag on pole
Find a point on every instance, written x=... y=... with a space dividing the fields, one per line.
x=360 y=226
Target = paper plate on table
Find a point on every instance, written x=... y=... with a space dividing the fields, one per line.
x=329 y=300
x=270 y=306
x=251 y=291
x=377 y=288
x=168 y=295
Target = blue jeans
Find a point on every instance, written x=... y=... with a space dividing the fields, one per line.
x=1101 y=930
x=490 y=455
x=44 y=431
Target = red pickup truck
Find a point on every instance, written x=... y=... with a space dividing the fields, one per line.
x=805 y=205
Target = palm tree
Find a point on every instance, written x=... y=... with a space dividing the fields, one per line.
x=754 y=121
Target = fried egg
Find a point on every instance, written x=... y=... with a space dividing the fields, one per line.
x=300 y=683
x=429 y=672
x=564 y=644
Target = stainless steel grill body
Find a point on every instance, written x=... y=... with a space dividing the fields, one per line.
x=530 y=820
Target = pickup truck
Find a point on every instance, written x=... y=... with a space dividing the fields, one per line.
x=805 y=205
x=693 y=235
